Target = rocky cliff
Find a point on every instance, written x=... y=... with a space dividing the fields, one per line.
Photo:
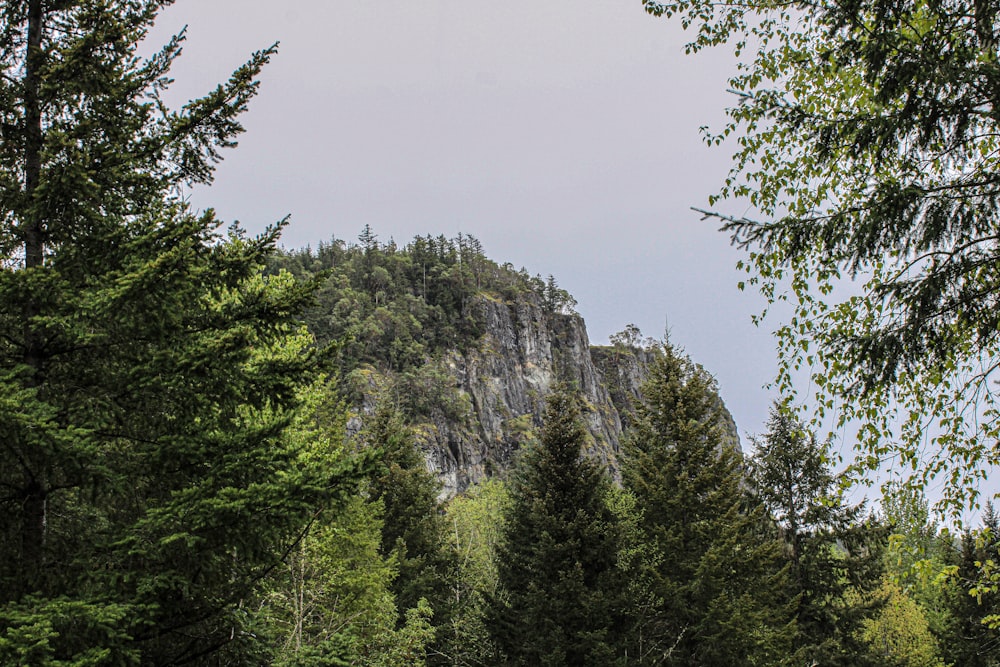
x=502 y=384
x=466 y=348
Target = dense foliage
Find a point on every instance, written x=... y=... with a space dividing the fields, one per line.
x=559 y=600
x=397 y=306
x=148 y=371
x=179 y=484
x=833 y=554
x=867 y=147
x=708 y=581
x=969 y=626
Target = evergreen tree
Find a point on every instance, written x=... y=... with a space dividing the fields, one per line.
x=147 y=371
x=330 y=601
x=413 y=526
x=834 y=555
x=559 y=586
x=709 y=568
x=968 y=640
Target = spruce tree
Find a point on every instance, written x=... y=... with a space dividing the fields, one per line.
x=147 y=370
x=559 y=586
x=413 y=528
x=834 y=554
x=709 y=575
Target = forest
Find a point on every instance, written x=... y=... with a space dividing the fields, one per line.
x=213 y=449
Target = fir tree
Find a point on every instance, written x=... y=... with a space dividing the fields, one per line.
x=834 y=554
x=709 y=575
x=413 y=528
x=147 y=371
x=968 y=638
x=559 y=594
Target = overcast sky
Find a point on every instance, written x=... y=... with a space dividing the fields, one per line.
x=563 y=135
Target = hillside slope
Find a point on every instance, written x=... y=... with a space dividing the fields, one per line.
x=466 y=348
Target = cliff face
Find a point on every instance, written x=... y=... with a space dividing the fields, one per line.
x=625 y=370
x=523 y=354
x=466 y=348
x=504 y=381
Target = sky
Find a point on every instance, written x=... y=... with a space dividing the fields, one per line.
x=564 y=136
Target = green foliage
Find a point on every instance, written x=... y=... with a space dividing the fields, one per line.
x=556 y=299
x=148 y=372
x=707 y=567
x=332 y=602
x=834 y=555
x=329 y=602
x=914 y=543
x=474 y=523
x=900 y=634
x=428 y=391
x=918 y=554
x=395 y=307
x=559 y=598
x=414 y=531
x=868 y=145
x=60 y=632
x=967 y=637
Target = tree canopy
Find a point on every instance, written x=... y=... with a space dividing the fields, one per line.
x=867 y=146
x=148 y=370
x=707 y=561
x=559 y=598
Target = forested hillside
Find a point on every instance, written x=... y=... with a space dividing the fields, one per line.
x=664 y=544
x=466 y=349
x=217 y=452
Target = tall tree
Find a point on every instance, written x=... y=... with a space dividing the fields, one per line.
x=559 y=595
x=330 y=602
x=711 y=566
x=968 y=638
x=147 y=371
x=474 y=521
x=868 y=147
x=834 y=556
x=413 y=525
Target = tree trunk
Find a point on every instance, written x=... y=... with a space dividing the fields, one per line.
x=34 y=503
x=33 y=242
x=34 y=493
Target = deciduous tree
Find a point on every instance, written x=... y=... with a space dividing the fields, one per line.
x=867 y=147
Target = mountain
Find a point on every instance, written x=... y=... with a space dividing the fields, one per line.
x=467 y=348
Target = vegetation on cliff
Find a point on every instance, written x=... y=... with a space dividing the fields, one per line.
x=397 y=306
x=184 y=477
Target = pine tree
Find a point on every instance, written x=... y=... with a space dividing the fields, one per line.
x=834 y=554
x=147 y=370
x=413 y=526
x=709 y=570
x=559 y=598
x=968 y=640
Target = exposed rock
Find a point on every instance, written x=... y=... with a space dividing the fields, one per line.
x=524 y=353
x=495 y=396
x=625 y=370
